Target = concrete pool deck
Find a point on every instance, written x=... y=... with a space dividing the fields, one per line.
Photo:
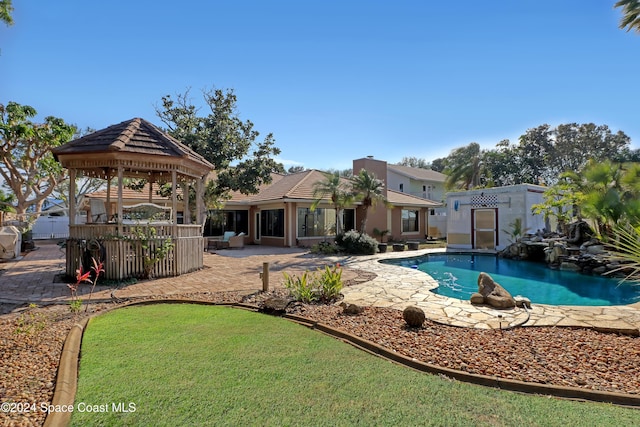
x=398 y=287
x=34 y=279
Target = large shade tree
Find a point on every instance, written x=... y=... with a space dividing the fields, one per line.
x=242 y=163
x=542 y=154
x=26 y=163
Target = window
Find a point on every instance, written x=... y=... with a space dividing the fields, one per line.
x=401 y=187
x=320 y=222
x=409 y=221
x=272 y=222
x=227 y=220
x=348 y=219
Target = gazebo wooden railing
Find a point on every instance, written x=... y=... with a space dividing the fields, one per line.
x=125 y=255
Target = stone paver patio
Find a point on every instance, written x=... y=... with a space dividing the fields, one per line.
x=35 y=279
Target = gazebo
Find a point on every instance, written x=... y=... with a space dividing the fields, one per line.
x=129 y=239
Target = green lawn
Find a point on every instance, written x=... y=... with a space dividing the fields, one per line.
x=207 y=365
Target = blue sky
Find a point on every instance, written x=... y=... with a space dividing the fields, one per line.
x=333 y=80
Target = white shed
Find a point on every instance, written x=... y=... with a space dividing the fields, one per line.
x=477 y=219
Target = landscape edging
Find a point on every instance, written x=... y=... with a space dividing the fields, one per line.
x=67 y=376
x=623 y=399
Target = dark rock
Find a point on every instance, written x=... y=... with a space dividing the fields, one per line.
x=276 y=305
x=494 y=294
x=351 y=309
x=414 y=316
x=569 y=266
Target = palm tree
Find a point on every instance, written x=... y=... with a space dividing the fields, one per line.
x=334 y=187
x=630 y=14
x=369 y=190
x=463 y=167
x=5 y=12
x=609 y=193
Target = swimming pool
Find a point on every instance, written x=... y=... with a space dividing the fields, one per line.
x=457 y=275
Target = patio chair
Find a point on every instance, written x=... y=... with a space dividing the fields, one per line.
x=220 y=243
x=236 y=242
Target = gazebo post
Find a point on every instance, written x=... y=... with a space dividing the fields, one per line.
x=120 y=179
x=72 y=197
x=109 y=213
x=174 y=201
x=185 y=196
x=199 y=195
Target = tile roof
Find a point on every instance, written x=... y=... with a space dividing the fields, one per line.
x=135 y=136
x=397 y=198
x=418 y=173
x=296 y=186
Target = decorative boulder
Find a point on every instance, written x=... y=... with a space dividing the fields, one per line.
x=494 y=294
x=351 y=309
x=414 y=316
x=477 y=298
x=276 y=305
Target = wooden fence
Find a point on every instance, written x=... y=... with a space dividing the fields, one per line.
x=124 y=254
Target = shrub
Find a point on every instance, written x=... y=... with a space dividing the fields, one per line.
x=300 y=287
x=325 y=248
x=331 y=283
x=323 y=285
x=355 y=243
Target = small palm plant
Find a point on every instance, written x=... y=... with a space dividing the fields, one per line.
x=626 y=248
x=516 y=232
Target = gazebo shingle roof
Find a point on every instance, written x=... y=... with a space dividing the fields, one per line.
x=135 y=136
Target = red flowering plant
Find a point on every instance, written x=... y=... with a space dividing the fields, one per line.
x=76 y=302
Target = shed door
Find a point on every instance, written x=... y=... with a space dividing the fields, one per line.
x=485 y=229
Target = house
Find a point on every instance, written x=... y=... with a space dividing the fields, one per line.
x=280 y=213
x=426 y=184
x=483 y=218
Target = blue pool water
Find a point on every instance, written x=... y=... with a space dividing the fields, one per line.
x=457 y=275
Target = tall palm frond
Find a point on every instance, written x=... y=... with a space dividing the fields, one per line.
x=333 y=187
x=626 y=249
x=630 y=14
x=370 y=190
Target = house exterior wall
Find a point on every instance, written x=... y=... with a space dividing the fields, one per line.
x=396 y=233
x=377 y=215
x=509 y=203
x=434 y=190
x=437 y=227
